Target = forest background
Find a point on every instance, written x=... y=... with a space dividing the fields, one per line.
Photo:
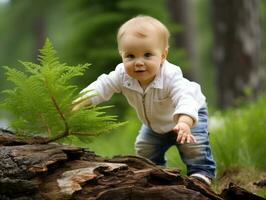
x=219 y=44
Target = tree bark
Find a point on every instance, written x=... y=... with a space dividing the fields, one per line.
x=181 y=13
x=237 y=47
x=29 y=170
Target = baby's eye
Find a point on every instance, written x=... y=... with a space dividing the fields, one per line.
x=147 y=55
x=130 y=56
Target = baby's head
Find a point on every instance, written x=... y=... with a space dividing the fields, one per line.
x=143 y=46
x=143 y=26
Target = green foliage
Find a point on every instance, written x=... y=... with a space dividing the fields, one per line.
x=41 y=101
x=240 y=139
x=120 y=141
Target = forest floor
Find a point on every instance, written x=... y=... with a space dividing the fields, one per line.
x=243 y=177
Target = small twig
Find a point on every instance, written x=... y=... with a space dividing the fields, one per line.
x=65 y=134
x=6 y=131
x=261 y=183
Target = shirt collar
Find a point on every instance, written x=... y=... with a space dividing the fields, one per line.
x=133 y=84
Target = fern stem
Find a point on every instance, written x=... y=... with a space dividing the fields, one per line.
x=72 y=133
x=66 y=132
x=58 y=137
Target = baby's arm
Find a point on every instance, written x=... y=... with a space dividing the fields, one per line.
x=182 y=129
x=100 y=90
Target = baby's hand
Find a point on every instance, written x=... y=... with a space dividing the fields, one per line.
x=183 y=132
x=80 y=103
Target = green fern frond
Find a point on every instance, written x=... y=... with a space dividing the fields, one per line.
x=31 y=67
x=41 y=101
x=48 y=56
x=15 y=76
x=73 y=71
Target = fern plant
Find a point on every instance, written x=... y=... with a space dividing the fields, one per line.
x=41 y=101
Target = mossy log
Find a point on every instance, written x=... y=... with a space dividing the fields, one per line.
x=30 y=169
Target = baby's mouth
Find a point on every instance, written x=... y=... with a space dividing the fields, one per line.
x=140 y=70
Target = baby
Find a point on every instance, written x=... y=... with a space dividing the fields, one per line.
x=172 y=109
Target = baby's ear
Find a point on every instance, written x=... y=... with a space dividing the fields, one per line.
x=164 y=54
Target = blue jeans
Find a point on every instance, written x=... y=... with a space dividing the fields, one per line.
x=197 y=157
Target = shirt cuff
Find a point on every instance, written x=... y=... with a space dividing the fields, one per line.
x=187 y=110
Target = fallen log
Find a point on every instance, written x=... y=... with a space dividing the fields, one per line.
x=29 y=170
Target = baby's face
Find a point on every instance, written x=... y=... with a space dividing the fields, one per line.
x=142 y=56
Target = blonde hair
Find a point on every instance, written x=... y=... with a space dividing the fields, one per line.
x=141 y=25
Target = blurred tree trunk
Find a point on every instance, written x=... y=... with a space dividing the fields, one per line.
x=237 y=47
x=39 y=30
x=181 y=13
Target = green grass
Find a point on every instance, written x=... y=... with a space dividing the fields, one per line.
x=241 y=140
x=174 y=160
x=120 y=141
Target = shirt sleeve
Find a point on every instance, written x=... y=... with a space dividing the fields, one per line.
x=104 y=87
x=186 y=96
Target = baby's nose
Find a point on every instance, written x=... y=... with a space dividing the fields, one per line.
x=139 y=62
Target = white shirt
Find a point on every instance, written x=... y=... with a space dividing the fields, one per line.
x=167 y=96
